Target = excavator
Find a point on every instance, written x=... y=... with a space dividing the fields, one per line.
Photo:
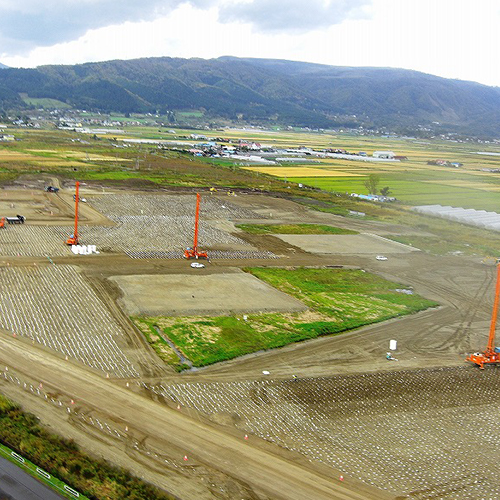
x=73 y=239
x=2 y=222
x=492 y=354
x=193 y=253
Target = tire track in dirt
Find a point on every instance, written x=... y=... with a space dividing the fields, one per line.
x=138 y=348
x=270 y=474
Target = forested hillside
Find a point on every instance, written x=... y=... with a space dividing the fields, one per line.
x=264 y=91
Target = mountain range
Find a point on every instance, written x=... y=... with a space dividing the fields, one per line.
x=264 y=92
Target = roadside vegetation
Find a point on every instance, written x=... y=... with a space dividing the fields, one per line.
x=339 y=300
x=293 y=229
x=62 y=458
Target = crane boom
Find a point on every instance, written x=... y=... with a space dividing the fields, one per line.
x=492 y=354
x=73 y=239
x=491 y=338
x=196 y=222
x=193 y=253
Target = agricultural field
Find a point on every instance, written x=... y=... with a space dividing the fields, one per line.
x=49 y=158
x=292 y=229
x=411 y=181
x=466 y=191
x=337 y=300
x=38 y=304
x=413 y=434
x=422 y=186
x=293 y=172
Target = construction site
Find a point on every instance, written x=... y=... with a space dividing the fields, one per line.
x=331 y=417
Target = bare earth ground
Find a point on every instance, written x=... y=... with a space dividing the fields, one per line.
x=345 y=244
x=183 y=295
x=407 y=429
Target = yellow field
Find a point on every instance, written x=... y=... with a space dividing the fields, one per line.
x=54 y=162
x=418 y=164
x=56 y=158
x=42 y=150
x=347 y=168
x=300 y=172
x=15 y=155
x=92 y=157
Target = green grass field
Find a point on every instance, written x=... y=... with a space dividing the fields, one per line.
x=46 y=103
x=417 y=190
x=339 y=300
x=293 y=229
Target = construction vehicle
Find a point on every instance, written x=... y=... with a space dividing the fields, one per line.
x=2 y=222
x=193 y=253
x=73 y=239
x=51 y=189
x=492 y=354
x=18 y=219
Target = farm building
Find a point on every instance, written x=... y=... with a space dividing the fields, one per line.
x=389 y=155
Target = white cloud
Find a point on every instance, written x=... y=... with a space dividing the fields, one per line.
x=450 y=38
x=27 y=24
x=292 y=16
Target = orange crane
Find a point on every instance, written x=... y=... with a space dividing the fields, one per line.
x=492 y=354
x=192 y=253
x=73 y=239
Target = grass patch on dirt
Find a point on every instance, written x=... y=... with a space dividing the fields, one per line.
x=293 y=229
x=339 y=300
x=156 y=341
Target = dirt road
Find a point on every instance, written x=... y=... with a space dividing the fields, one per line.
x=270 y=474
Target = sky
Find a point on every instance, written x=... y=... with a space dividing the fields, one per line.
x=450 y=38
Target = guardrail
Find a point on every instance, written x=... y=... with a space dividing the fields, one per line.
x=35 y=471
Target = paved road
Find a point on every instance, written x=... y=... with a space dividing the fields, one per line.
x=15 y=484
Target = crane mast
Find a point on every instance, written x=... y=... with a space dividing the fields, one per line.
x=492 y=354
x=73 y=239
x=491 y=338
x=193 y=253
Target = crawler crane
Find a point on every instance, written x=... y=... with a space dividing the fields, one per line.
x=192 y=253
x=73 y=239
x=492 y=354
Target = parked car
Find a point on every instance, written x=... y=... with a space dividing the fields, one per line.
x=197 y=265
